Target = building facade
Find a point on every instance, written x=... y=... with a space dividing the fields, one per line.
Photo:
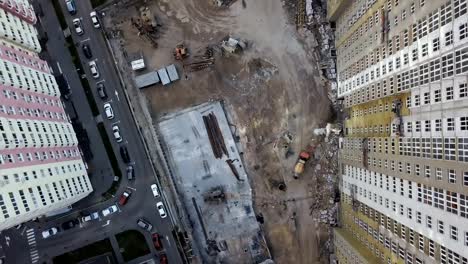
x=403 y=77
x=41 y=169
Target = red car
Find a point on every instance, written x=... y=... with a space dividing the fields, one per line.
x=163 y=258
x=124 y=197
x=157 y=241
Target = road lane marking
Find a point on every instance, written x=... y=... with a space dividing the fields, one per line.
x=108 y=222
x=103 y=80
x=24 y=229
x=168 y=241
x=117 y=95
x=84 y=40
x=115 y=123
x=131 y=188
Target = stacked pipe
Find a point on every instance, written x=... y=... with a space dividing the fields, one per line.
x=215 y=136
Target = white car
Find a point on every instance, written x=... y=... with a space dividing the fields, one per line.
x=78 y=27
x=108 y=110
x=112 y=209
x=161 y=210
x=93 y=69
x=90 y=217
x=49 y=232
x=95 y=19
x=154 y=188
x=116 y=132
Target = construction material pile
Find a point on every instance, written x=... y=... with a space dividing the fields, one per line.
x=215 y=136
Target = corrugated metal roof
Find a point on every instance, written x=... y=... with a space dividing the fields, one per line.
x=163 y=76
x=147 y=79
x=172 y=71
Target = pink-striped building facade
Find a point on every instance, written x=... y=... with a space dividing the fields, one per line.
x=41 y=168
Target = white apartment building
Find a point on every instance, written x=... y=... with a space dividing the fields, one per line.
x=41 y=169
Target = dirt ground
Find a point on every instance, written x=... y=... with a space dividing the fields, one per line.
x=271 y=88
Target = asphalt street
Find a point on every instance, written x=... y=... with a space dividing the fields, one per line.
x=142 y=203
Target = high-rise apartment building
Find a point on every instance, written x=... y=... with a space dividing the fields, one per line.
x=41 y=169
x=402 y=74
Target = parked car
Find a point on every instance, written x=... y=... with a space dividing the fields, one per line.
x=124 y=154
x=90 y=217
x=78 y=27
x=49 y=232
x=116 y=132
x=87 y=51
x=110 y=210
x=108 y=110
x=161 y=210
x=101 y=89
x=70 y=224
x=154 y=188
x=163 y=258
x=94 y=19
x=144 y=224
x=157 y=241
x=124 y=197
x=71 y=7
x=130 y=173
x=94 y=70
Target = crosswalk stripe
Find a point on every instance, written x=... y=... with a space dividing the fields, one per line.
x=29 y=231
x=35 y=258
x=35 y=254
x=32 y=242
x=31 y=236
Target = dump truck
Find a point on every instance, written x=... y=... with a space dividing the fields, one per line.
x=300 y=164
x=304 y=156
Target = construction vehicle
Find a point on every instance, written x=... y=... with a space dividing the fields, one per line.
x=180 y=52
x=304 y=156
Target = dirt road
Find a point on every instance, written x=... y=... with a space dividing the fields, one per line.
x=272 y=87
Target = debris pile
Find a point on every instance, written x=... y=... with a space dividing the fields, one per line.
x=215 y=136
x=146 y=25
x=230 y=45
x=203 y=62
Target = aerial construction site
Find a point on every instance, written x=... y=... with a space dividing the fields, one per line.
x=234 y=98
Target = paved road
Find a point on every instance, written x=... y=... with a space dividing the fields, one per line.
x=142 y=202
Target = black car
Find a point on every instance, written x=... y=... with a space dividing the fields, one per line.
x=87 y=51
x=101 y=89
x=70 y=224
x=124 y=154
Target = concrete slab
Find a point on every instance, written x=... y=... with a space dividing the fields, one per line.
x=230 y=222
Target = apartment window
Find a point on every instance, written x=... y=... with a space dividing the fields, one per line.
x=465 y=178
x=435 y=44
x=427 y=171
x=439 y=174
x=421 y=242
x=452 y=177
x=454 y=232
x=418 y=126
x=463 y=31
x=425 y=50
x=427 y=125
x=416 y=100
x=463 y=90
x=464 y=123
x=448 y=38
x=451 y=202
x=449 y=93
x=412 y=8
x=422 y=2
x=437 y=96
x=429 y=221
x=440 y=227
x=431 y=248
x=417 y=169
x=450 y=124
x=459 y=8
x=438 y=125
x=427 y=98
x=463 y=149
x=418 y=217
x=439 y=198
x=415 y=54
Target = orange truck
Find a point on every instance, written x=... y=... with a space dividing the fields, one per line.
x=304 y=156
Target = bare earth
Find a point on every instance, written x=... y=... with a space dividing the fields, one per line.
x=271 y=88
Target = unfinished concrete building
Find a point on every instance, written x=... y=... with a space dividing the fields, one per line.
x=402 y=74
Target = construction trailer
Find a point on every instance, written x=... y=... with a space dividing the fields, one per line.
x=147 y=79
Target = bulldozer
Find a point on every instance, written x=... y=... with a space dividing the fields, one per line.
x=180 y=52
